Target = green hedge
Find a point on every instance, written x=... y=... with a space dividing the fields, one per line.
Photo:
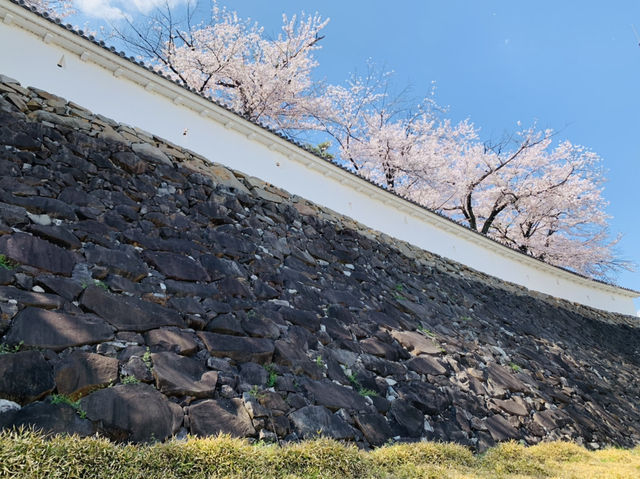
x=27 y=454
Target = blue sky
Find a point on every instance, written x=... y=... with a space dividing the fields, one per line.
x=573 y=66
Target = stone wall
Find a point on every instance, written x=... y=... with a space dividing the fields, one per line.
x=146 y=293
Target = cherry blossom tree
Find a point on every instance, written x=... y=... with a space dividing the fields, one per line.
x=541 y=199
x=232 y=60
x=536 y=195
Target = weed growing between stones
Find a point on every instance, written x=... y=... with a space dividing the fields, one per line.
x=7 y=263
x=96 y=282
x=514 y=367
x=129 y=380
x=254 y=392
x=398 y=288
x=358 y=387
x=273 y=375
x=146 y=358
x=8 y=349
x=367 y=393
x=427 y=332
x=62 y=399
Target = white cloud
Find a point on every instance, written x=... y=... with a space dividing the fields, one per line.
x=145 y=6
x=121 y=9
x=100 y=9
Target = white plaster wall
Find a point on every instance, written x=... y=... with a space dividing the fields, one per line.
x=34 y=62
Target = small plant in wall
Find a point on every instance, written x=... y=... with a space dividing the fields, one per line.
x=96 y=282
x=273 y=375
x=427 y=332
x=358 y=387
x=254 y=392
x=146 y=358
x=368 y=392
x=129 y=380
x=514 y=367
x=6 y=263
x=7 y=349
x=62 y=399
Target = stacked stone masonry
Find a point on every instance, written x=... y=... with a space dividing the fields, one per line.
x=147 y=293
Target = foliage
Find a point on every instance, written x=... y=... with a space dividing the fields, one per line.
x=62 y=399
x=254 y=392
x=515 y=368
x=358 y=387
x=146 y=358
x=129 y=380
x=542 y=198
x=273 y=375
x=427 y=332
x=232 y=60
x=28 y=454
x=7 y=349
x=321 y=149
x=367 y=392
x=6 y=263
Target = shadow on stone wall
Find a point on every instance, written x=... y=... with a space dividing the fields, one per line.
x=145 y=293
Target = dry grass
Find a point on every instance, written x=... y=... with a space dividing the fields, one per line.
x=25 y=454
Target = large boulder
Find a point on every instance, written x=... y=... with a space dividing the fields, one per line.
x=180 y=376
x=25 y=376
x=416 y=343
x=334 y=396
x=126 y=313
x=134 y=412
x=51 y=418
x=80 y=373
x=314 y=421
x=26 y=249
x=176 y=266
x=214 y=416
x=238 y=348
x=29 y=298
x=375 y=428
x=172 y=339
x=40 y=328
x=123 y=263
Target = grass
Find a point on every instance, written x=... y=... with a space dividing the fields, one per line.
x=26 y=454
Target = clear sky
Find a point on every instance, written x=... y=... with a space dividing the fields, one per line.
x=573 y=66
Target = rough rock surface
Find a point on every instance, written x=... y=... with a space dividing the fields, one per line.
x=136 y=412
x=247 y=310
